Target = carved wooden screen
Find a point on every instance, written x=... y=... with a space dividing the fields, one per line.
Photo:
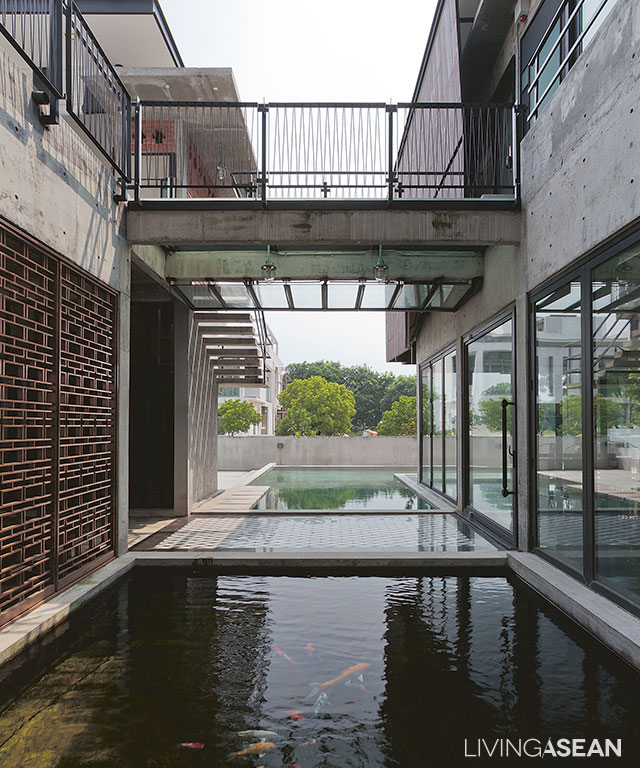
x=57 y=422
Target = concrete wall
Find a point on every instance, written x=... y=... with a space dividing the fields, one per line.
x=580 y=177
x=195 y=417
x=60 y=191
x=244 y=453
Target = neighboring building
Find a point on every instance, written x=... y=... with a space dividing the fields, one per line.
x=554 y=329
x=264 y=399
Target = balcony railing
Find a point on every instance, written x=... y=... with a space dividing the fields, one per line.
x=292 y=152
x=96 y=97
x=574 y=24
x=55 y=40
x=34 y=28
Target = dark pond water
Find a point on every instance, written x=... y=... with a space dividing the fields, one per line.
x=172 y=658
x=337 y=488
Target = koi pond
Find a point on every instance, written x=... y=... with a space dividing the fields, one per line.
x=368 y=488
x=175 y=667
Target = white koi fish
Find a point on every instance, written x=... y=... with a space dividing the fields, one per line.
x=322 y=700
x=258 y=735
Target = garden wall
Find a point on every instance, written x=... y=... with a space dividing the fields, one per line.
x=244 y=453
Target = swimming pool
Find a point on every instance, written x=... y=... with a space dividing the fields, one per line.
x=337 y=488
x=169 y=666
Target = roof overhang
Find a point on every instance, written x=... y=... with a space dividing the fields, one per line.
x=133 y=33
x=325 y=280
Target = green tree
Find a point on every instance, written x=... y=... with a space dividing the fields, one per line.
x=607 y=414
x=489 y=411
x=396 y=388
x=236 y=416
x=374 y=392
x=400 y=419
x=316 y=406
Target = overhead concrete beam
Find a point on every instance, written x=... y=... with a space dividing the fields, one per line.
x=316 y=228
x=232 y=265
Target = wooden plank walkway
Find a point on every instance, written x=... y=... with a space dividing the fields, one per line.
x=241 y=498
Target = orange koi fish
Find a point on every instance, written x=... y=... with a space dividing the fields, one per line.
x=309 y=649
x=355 y=671
x=283 y=654
x=307 y=743
x=294 y=714
x=259 y=748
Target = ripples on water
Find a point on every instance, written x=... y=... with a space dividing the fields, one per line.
x=171 y=658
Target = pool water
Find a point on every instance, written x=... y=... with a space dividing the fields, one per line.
x=169 y=658
x=337 y=488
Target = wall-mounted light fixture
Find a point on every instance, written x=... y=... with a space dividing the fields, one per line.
x=380 y=269
x=268 y=269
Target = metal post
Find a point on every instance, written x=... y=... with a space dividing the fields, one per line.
x=138 y=150
x=264 y=109
x=516 y=134
x=69 y=57
x=55 y=47
x=391 y=109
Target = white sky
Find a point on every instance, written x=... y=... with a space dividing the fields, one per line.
x=298 y=50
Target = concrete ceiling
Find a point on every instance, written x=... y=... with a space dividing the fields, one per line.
x=180 y=84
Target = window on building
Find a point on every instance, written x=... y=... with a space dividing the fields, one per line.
x=437 y=429
x=229 y=392
x=552 y=44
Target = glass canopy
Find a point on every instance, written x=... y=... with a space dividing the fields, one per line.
x=330 y=295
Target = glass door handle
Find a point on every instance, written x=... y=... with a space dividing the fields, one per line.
x=506 y=450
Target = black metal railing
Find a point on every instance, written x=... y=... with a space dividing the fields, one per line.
x=96 y=97
x=55 y=40
x=287 y=151
x=34 y=29
x=573 y=25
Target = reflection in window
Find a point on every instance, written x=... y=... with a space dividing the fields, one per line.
x=559 y=424
x=438 y=432
x=490 y=377
x=615 y=295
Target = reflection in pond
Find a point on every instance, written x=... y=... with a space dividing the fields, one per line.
x=190 y=669
x=337 y=488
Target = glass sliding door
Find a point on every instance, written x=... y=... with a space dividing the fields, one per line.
x=438 y=432
x=436 y=442
x=449 y=425
x=491 y=424
x=425 y=425
x=615 y=297
x=558 y=424
x=586 y=417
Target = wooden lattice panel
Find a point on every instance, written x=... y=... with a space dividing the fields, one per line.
x=27 y=405
x=57 y=422
x=87 y=422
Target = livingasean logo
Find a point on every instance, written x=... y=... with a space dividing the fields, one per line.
x=540 y=748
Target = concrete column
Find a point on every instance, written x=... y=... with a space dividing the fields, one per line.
x=122 y=374
x=181 y=440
